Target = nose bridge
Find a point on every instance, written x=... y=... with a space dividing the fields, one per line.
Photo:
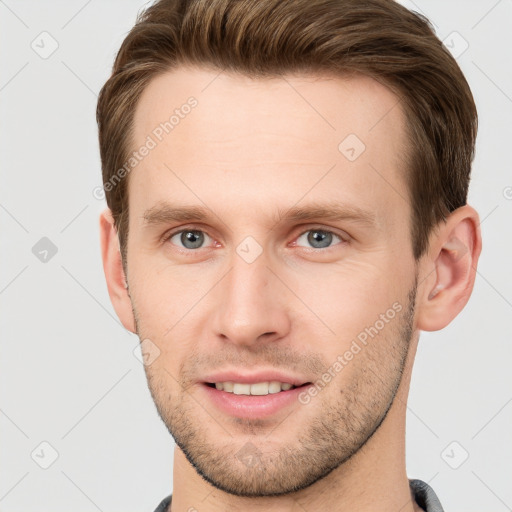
x=249 y=303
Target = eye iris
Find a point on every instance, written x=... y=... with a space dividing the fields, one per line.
x=322 y=237
x=195 y=238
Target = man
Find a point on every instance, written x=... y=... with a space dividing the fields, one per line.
x=287 y=184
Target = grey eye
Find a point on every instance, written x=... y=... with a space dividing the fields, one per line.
x=318 y=238
x=189 y=238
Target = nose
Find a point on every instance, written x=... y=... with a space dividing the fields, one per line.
x=250 y=306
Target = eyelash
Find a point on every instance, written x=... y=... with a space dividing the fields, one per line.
x=344 y=239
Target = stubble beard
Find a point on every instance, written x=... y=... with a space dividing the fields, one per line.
x=345 y=419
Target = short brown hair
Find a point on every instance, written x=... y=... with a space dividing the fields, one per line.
x=269 y=38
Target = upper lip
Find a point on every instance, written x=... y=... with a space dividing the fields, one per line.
x=253 y=378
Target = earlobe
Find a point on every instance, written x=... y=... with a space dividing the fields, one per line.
x=113 y=269
x=450 y=269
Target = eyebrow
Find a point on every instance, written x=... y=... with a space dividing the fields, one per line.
x=164 y=213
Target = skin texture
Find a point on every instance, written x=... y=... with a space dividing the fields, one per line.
x=248 y=150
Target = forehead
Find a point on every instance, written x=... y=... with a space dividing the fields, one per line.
x=331 y=104
x=230 y=137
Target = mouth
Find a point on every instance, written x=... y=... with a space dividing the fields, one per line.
x=257 y=400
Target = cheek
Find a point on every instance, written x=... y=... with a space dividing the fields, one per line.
x=335 y=300
x=169 y=302
x=159 y=298
x=344 y=300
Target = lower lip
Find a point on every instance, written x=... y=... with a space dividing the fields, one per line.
x=253 y=406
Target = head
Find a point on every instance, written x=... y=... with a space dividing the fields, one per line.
x=286 y=186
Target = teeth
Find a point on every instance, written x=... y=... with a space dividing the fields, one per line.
x=274 y=387
x=259 y=388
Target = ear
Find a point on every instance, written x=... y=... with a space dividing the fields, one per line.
x=450 y=269
x=114 y=273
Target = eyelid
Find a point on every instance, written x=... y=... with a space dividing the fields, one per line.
x=191 y=227
x=175 y=231
x=343 y=237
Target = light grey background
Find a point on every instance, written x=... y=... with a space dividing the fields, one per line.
x=68 y=373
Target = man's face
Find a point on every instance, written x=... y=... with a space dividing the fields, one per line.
x=250 y=288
